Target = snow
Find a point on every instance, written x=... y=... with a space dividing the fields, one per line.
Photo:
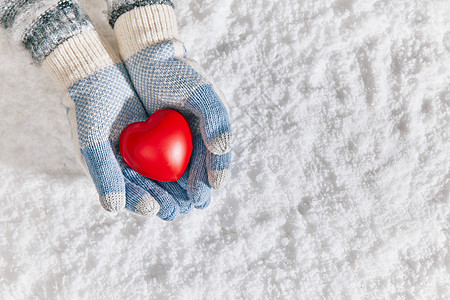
x=341 y=176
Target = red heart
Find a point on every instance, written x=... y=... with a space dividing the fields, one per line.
x=158 y=148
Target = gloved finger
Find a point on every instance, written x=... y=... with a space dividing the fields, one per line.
x=198 y=188
x=139 y=200
x=214 y=121
x=179 y=194
x=106 y=175
x=218 y=167
x=169 y=208
x=183 y=181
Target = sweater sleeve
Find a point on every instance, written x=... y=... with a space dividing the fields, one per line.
x=42 y=25
x=119 y=7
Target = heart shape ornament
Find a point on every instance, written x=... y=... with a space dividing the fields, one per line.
x=159 y=148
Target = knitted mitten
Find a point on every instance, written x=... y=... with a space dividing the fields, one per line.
x=101 y=100
x=163 y=77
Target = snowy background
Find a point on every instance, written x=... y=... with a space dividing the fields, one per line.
x=341 y=174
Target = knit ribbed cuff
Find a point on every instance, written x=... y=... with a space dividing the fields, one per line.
x=42 y=25
x=9 y=11
x=120 y=7
x=145 y=26
x=53 y=27
x=79 y=57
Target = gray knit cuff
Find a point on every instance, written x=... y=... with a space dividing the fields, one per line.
x=119 y=7
x=11 y=9
x=42 y=25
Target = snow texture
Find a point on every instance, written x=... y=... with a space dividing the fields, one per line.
x=340 y=183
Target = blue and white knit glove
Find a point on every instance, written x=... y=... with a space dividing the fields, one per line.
x=101 y=100
x=164 y=77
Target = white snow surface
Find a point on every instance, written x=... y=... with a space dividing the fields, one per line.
x=340 y=182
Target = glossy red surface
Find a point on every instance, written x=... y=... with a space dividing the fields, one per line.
x=159 y=148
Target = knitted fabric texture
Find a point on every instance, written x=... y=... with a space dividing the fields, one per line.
x=104 y=104
x=120 y=7
x=101 y=102
x=54 y=27
x=144 y=26
x=164 y=78
x=69 y=67
x=10 y=10
x=43 y=25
